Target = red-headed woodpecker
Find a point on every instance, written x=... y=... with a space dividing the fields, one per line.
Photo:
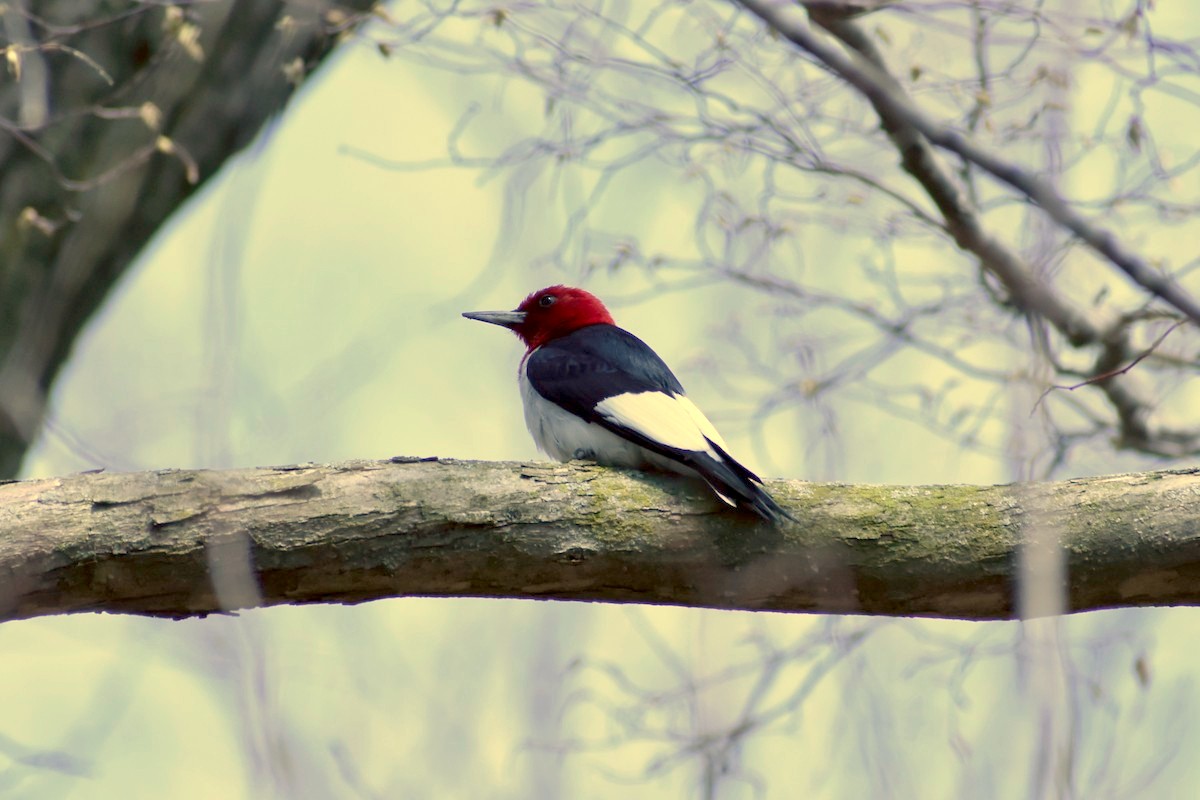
x=594 y=391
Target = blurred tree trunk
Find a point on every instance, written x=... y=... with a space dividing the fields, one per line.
x=181 y=543
x=112 y=115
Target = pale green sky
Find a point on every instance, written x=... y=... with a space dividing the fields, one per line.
x=305 y=308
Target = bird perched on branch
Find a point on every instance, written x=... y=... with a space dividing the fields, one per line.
x=594 y=391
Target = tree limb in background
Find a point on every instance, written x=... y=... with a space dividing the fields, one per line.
x=115 y=114
x=912 y=132
x=150 y=543
x=897 y=109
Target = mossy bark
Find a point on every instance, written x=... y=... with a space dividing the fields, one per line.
x=181 y=543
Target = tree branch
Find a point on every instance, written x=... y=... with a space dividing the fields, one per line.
x=183 y=543
x=785 y=19
x=147 y=102
x=913 y=136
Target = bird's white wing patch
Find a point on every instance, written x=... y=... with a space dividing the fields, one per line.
x=672 y=420
x=702 y=422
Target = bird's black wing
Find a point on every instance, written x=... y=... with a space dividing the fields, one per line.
x=578 y=371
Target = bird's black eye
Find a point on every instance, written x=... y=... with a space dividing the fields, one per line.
x=547 y=301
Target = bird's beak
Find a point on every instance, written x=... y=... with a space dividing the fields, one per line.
x=505 y=319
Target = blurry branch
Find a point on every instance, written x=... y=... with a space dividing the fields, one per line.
x=113 y=115
x=913 y=135
x=150 y=543
x=901 y=116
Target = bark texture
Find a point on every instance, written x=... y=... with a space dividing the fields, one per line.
x=114 y=113
x=180 y=543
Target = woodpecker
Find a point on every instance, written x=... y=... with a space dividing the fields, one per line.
x=596 y=392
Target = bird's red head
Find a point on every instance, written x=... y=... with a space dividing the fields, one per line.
x=548 y=314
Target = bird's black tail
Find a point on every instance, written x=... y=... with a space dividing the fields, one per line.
x=737 y=485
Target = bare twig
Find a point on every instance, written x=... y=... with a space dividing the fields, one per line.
x=1110 y=373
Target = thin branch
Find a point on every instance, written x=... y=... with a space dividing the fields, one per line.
x=1110 y=373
